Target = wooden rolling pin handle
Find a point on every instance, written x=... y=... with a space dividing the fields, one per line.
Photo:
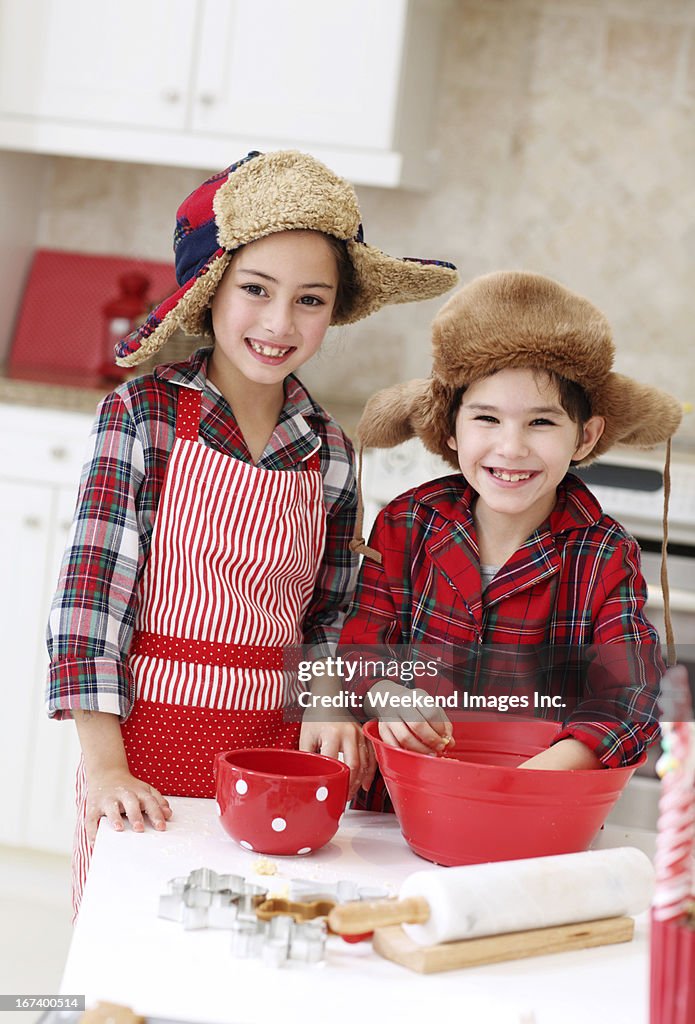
x=364 y=916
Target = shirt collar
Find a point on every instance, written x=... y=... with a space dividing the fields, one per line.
x=576 y=507
x=188 y=373
x=295 y=438
x=192 y=373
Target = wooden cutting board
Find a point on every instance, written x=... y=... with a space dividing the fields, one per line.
x=393 y=944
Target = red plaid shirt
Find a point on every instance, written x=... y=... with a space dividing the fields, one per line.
x=574 y=585
x=93 y=611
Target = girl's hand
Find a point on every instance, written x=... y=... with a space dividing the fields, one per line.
x=422 y=728
x=116 y=793
x=342 y=735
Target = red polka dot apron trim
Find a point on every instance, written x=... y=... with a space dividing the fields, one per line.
x=234 y=556
x=206 y=652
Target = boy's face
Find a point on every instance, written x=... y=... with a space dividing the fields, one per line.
x=515 y=443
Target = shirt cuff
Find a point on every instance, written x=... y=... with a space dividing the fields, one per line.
x=615 y=746
x=89 y=684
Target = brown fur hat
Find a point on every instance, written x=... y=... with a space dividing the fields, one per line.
x=262 y=194
x=515 y=319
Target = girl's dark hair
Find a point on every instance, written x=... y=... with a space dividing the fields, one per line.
x=346 y=292
x=573 y=399
x=347 y=279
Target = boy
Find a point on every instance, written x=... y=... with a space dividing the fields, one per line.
x=516 y=554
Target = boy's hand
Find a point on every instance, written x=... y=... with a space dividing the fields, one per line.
x=424 y=729
x=564 y=756
x=341 y=735
x=115 y=794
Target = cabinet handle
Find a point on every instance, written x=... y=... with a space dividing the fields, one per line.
x=59 y=453
x=171 y=96
x=207 y=99
x=32 y=523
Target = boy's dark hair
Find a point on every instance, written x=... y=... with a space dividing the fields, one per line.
x=572 y=396
x=347 y=282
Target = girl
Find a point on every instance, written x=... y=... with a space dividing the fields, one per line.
x=510 y=564
x=214 y=516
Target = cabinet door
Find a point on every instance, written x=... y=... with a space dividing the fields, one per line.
x=306 y=71
x=26 y=512
x=126 y=62
x=51 y=778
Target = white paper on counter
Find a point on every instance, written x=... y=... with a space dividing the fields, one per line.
x=122 y=951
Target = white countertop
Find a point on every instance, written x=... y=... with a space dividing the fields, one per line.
x=123 y=952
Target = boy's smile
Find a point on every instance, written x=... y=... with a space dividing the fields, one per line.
x=515 y=443
x=510 y=476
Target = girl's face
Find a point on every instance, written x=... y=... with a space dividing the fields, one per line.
x=273 y=306
x=515 y=443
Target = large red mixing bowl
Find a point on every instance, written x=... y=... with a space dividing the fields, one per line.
x=282 y=802
x=475 y=805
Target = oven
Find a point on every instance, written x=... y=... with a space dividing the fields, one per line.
x=630 y=488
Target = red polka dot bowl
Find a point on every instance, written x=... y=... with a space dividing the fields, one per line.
x=280 y=802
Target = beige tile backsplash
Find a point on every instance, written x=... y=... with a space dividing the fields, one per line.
x=566 y=137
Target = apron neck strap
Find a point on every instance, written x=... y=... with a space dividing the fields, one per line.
x=357 y=544
x=188 y=408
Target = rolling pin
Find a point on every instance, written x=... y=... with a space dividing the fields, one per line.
x=508 y=896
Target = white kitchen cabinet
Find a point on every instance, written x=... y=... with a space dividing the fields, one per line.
x=95 y=62
x=200 y=83
x=41 y=453
x=24 y=522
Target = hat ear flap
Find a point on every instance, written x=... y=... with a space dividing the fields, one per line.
x=434 y=420
x=390 y=415
x=418 y=408
x=635 y=414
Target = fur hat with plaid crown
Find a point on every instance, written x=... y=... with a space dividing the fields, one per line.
x=515 y=319
x=258 y=196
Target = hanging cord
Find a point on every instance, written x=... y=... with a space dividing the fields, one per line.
x=357 y=544
x=670 y=644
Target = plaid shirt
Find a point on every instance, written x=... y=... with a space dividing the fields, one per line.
x=93 y=611
x=574 y=586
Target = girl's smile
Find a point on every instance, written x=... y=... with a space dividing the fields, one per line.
x=270 y=354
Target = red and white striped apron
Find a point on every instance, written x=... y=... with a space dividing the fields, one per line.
x=234 y=557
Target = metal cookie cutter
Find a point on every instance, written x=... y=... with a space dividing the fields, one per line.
x=347 y=892
x=308 y=941
x=206 y=899
x=284 y=930
x=343 y=891
x=306 y=890
x=279 y=939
